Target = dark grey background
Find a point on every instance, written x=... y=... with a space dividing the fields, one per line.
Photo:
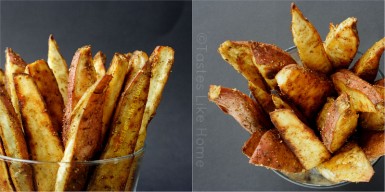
x=120 y=27
x=220 y=139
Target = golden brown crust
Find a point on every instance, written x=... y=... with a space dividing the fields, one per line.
x=273 y=153
x=372 y=143
x=251 y=144
x=380 y=82
x=99 y=62
x=5 y=178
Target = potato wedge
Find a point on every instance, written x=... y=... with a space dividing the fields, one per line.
x=300 y=138
x=14 y=145
x=5 y=178
x=240 y=56
x=251 y=144
x=2 y=80
x=322 y=115
x=262 y=97
x=118 y=70
x=82 y=76
x=123 y=136
x=309 y=43
x=372 y=143
x=245 y=111
x=362 y=95
x=49 y=90
x=281 y=103
x=270 y=59
x=340 y=122
x=273 y=153
x=342 y=43
x=307 y=89
x=137 y=61
x=374 y=120
x=367 y=66
x=348 y=164
x=13 y=64
x=59 y=67
x=83 y=141
x=99 y=61
x=380 y=90
x=380 y=82
x=43 y=140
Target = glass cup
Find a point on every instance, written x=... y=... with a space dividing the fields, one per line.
x=312 y=178
x=123 y=173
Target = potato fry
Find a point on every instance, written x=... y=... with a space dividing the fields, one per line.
x=13 y=64
x=2 y=80
x=137 y=61
x=374 y=120
x=380 y=90
x=240 y=56
x=300 y=138
x=245 y=111
x=251 y=144
x=380 y=82
x=322 y=115
x=363 y=96
x=342 y=43
x=348 y=164
x=340 y=122
x=43 y=140
x=123 y=136
x=269 y=59
x=307 y=89
x=14 y=145
x=262 y=97
x=273 y=153
x=281 y=103
x=309 y=43
x=83 y=141
x=49 y=90
x=367 y=66
x=59 y=67
x=5 y=179
x=82 y=76
x=99 y=61
x=372 y=143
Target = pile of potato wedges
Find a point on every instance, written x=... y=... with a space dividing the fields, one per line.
x=324 y=113
x=54 y=114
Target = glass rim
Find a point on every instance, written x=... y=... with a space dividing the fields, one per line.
x=91 y=162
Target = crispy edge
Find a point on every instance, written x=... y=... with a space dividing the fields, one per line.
x=372 y=143
x=99 y=62
x=262 y=97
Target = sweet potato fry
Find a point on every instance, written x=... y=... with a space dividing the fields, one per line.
x=307 y=89
x=123 y=136
x=300 y=138
x=240 y=56
x=309 y=43
x=5 y=178
x=43 y=140
x=85 y=138
x=82 y=76
x=342 y=43
x=13 y=64
x=99 y=61
x=15 y=145
x=273 y=153
x=362 y=95
x=367 y=66
x=59 y=67
x=49 y=90
x=270 y=59
x=348 y=164
x=372 y=143
x=245 y=111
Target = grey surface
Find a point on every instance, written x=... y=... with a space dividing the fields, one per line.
x=217 y=137
x=120 y=27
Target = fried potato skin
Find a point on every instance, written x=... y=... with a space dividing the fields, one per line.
x=301 y=139
x=99 y=61
x=340 y=122
x=309 y=43
x=43 y=140
x=5 y=178
x=342 y=43
x=2 y=80
x=380 y=82
x=307 y=89
x=322 y=115
x=273 y=153
x=348 y=164
x=49 y=90
x=59 y=67
x=14 y=145
x=270 y=59
x=362 y=95
x=240 y=56
x=244 y=110
x=372 y=143
x=367 y=66
x=251 y=144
